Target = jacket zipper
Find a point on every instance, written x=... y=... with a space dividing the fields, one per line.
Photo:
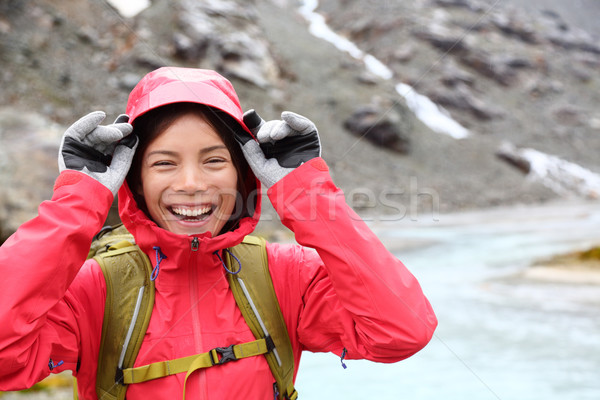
x=196 y=325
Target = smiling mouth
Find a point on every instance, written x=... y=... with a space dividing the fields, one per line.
x=191 y=214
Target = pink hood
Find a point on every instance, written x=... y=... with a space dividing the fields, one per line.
x=169 y=85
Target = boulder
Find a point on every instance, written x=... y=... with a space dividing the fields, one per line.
x=574 y=40
x=379 y=126
x=469 y=5
x=514 y=24
x=404 y=53
x=567 y=115
x=442 y=38
x=511 y=155
x=204 y=35
x=28 y=165
x=460 y=97
x=452 y=75
x=488 y=65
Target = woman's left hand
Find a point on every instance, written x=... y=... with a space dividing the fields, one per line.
x=280 y=145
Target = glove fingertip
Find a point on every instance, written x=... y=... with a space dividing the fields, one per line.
x=86 y=124
x=270 y=131
x=125 y=128
x=297 y=122
x=95 y=116
x=252 y=120
x=290 y=115
x=121 y=119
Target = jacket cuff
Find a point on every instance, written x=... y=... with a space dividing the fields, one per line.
x=307 y=194
x=70 y=177
x=71 y=182
x=303 y=177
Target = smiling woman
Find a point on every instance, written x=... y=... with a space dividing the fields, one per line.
x=191 y=201
x=189 y=174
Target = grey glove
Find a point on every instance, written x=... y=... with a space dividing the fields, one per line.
x=282 y=146
x=102 y=152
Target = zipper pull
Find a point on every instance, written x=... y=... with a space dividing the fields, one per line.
x=195 y=244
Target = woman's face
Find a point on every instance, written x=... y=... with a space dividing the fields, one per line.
x=188 y=179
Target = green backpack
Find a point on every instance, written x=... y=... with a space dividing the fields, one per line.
x=129 y=303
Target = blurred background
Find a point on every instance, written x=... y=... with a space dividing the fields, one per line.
x=465 y=132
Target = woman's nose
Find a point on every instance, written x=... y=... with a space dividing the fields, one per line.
x=190 y=179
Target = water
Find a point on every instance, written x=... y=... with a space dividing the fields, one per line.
x=499 y=336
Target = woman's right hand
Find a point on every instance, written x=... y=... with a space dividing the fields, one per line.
x=101 y=152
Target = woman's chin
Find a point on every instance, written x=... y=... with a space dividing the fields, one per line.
x=194 y=227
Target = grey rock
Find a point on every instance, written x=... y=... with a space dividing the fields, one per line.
x=224 y=34
x=574 y=40
x=189 y=49
x=404 y=53
x=28 y=165
x=470 y=5
x=461 y=97
x=567 y=115
x=452 y=75
x=514 y=157
x=513 y=23
x=128 y=81
x=378 y=126
x=444 y=41
x=489 y=66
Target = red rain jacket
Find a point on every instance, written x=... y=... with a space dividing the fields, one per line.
x=350 y=293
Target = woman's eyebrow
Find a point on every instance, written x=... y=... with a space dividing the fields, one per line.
x=213 y=148
x=174 y=153
x=161 y=152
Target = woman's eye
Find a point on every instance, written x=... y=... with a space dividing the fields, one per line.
x=162 y=163
x=215 y=160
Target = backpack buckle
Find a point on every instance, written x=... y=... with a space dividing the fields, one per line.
x=226 y=354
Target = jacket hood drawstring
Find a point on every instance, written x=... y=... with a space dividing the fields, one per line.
x=159 y=258
x=225 y=266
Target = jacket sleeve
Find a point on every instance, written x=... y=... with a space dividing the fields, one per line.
x=355 y=294
x=40 y=320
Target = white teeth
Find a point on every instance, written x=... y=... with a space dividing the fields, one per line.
x=191 y=212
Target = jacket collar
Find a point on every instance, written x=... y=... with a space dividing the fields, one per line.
x=148 y=234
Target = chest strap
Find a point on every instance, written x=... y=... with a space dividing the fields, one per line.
x=216 y=356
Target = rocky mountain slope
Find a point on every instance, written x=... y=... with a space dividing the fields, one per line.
x=527 y=79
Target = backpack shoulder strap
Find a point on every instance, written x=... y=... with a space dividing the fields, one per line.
x=127 y=311
x=255 y=295
x=108 y=237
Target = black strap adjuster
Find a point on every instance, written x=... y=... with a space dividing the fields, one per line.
x=270 y=343
x=226 y=354
x=119 y=376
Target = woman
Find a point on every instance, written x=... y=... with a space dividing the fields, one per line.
x=191 y=194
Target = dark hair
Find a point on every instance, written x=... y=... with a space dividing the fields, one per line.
x=148 y=126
